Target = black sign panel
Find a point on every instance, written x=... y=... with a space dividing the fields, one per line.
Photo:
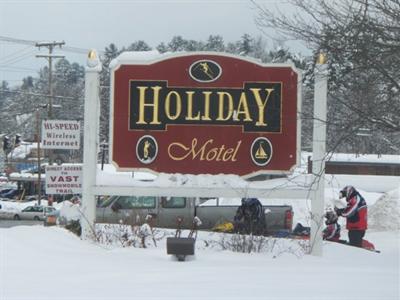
x=257 y=106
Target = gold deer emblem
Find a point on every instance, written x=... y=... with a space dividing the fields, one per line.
x=146 y=147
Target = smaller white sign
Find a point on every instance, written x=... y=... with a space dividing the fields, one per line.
x=61 y=134
x=64 y=179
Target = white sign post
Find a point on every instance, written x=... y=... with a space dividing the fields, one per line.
x=65 y=179
x=319 y=155
x=61 y=134
x=91 y=141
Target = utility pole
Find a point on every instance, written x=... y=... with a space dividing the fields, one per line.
x=50 y=46
x=39 y=182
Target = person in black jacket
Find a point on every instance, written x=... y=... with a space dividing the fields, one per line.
x=332 y=229
x=249 y=217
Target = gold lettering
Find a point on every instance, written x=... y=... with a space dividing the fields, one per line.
x=227 y=155
x=192 y=150
x=221 y=150
x=222 y=96
x=206 y=116
x=243 y=108
x=190 y=116
x=236 y=151
x=261 y=105
x=168 y=105
x=182 y=147
x=143 y=104
x=212 y=154
x=178 y=151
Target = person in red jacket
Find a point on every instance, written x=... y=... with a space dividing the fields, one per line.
x=355 y=213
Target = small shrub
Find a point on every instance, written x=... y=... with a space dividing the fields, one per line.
x=74 y=227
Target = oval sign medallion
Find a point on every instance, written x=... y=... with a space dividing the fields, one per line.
x=261 y=151
x=205 y=71
x=146 y=149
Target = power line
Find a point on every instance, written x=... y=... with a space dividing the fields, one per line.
x=34 y=43
x=15 y=68
x=40 y=95
x=18 y=58
x=22 y=71
x=9 y=56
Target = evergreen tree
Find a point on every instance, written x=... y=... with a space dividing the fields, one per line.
x=139 y=46
x=192 y=45
x=215 y=43
x=245 y=44
x=110 y=53
x=27 y=83
x=162 y=48
x=177 y=44
x=4 y=92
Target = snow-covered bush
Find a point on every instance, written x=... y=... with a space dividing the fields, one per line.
x=122 y=235
x=69 y=212
x=257 y=244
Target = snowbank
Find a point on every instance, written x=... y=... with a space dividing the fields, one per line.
x=69 y=211
x=15 y=206
x=384 y=215
x=83 y=270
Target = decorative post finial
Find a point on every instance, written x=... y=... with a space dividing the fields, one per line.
x=92 y=59
x=321 y=60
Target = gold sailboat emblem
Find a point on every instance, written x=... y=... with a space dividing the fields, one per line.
x=260 y=153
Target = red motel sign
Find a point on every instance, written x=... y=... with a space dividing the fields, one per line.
x=204 y=114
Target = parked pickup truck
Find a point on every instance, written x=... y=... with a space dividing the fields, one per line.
x=166 y=210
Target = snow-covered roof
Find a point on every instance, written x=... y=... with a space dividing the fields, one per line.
x=361 y=158
x=22 y=151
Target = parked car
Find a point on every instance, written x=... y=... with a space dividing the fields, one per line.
x=166 y=210
x=36 y=212
x=9 y=193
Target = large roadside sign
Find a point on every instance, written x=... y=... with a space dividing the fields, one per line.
x=204 y=113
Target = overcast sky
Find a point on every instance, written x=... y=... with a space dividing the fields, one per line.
x=97 y=23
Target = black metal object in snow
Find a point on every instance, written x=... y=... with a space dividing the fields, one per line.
x=182 y=246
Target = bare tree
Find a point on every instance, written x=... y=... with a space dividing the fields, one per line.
x=362 y=40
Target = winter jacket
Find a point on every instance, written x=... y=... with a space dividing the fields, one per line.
x=250 y=209
x=355 y=212
x=252 y=213
x=332 y=232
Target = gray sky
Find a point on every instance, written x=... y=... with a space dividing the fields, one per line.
x=97 y=23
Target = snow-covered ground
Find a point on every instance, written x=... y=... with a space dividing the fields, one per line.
x=51 y=263
x=39 y=262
